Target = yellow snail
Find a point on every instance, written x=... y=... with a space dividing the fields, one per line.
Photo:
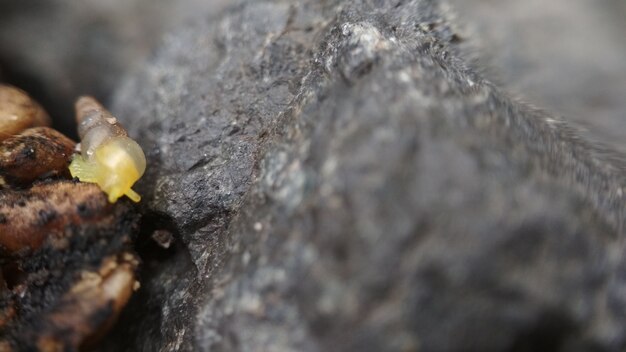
x=108 y=156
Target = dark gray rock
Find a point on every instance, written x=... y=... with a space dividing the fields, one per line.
x=337 y=176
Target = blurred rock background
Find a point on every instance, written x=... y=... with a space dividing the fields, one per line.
x=58 y=50
x=568 y=56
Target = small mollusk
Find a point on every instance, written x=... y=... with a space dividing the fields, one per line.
x=108 y=156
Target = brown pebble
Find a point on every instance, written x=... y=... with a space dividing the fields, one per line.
x=35 y=153
x=41 y=213
x=18 y=112
x=77 y=320
x=163 y=238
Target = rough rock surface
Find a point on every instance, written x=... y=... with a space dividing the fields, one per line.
x=338 y=176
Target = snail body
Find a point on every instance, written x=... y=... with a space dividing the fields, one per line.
x=108 y=156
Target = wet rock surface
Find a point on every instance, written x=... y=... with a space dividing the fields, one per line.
x=337 y=176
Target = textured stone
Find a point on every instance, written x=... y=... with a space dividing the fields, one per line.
x=338 y=176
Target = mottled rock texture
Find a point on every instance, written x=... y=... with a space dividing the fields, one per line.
x=343 y=175
x=338 y=176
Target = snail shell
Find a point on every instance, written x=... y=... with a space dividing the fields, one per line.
x=108 y=156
